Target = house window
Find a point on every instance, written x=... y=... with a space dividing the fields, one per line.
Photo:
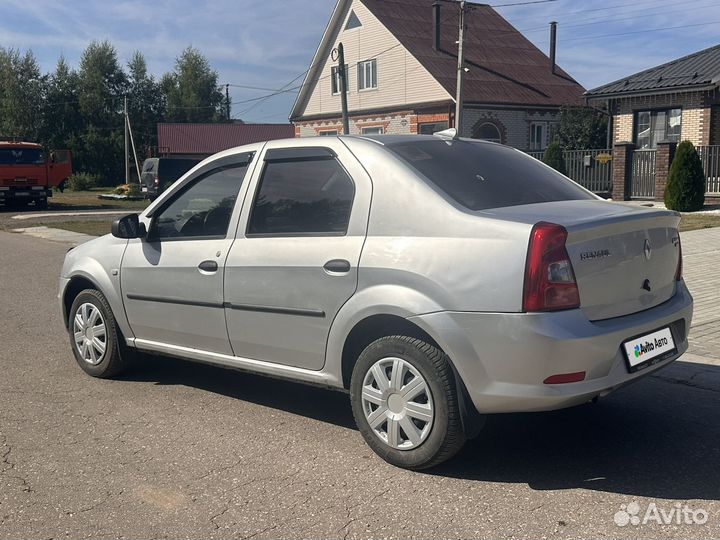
x=487 y=132
x=432 y=127
x=652 y=127
x=538 y=136
x=367 y=75
x=335 y=80
x=372 y=130
x=328 y=132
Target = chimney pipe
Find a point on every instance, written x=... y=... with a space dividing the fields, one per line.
x=436 y=25
x=553 y=45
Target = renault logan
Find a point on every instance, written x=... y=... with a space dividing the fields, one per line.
x=437 y=280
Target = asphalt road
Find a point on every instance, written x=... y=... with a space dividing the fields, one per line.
x=176 y=449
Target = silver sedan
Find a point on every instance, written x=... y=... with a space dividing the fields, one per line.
x=437 y=280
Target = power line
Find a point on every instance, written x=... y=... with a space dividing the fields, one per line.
x=642 y=31
x=521 y=3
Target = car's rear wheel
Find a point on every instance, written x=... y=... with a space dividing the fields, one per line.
x=94 y=335
x=405 y=402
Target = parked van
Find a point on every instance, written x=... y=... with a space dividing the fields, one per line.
x=159 y=173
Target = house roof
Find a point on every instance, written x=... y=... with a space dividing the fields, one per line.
x=697 y=70
x=212 y=138
x=505 y=68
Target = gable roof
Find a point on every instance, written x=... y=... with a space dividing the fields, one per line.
x=505 y=68
x=697 y=70
x=211 y=138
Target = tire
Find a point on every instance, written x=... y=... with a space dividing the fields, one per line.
x=41 y=204
x=109 y=361
x=436 y=432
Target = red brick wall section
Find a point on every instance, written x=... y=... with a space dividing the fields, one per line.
x=622 y=161
x=663 y=159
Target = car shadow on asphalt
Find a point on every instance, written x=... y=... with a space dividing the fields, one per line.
x=657 y=438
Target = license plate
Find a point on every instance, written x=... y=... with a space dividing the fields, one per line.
x=144 y=190
x=648 y=349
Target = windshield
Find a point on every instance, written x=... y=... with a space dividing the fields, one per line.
x=21 y=156
x=481 y=176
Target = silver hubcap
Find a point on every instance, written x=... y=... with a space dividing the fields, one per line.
x=397 y=403
x=89 y=332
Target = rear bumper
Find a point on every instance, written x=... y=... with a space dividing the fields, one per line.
x=503 y=358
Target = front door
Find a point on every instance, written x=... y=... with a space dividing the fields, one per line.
x=172 y=281
x=295 y=261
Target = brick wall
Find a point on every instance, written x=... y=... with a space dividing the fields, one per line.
x=400 y=123
x=514 y=124
x=695 y=115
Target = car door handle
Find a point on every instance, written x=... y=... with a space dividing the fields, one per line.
x=337 y=265
x=208 y=266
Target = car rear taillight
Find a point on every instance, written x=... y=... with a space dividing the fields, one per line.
x=549 y=278
x=157 y=181
x=678 y=272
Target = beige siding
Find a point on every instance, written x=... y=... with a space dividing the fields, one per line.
x=401 y=78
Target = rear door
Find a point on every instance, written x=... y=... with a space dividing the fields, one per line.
x=172 y=280
x=295 y=261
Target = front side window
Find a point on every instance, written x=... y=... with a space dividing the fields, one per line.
x=487 y=131
x=537 y=136
x=312 y=196
x=203 y=209
x=335 y=79
x=432 y=127
x=481 y=176
x=367 y=75
x=652 y=127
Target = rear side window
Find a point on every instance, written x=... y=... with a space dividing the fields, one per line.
x=481 y=176
x=308 y=196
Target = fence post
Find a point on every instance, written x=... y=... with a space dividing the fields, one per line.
x=663 y=159
x=622 y=169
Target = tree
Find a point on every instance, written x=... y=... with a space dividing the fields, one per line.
x=145 y=103
x=22 y=88
x=685 y=189
x=554 y=157
x=581 y=128
x=191 y=90
x=101 y=85
x=62 y=121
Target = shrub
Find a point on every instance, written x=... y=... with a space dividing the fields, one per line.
x=553 y=157
x=133 y=189
x=685 y=189
x=82 y=181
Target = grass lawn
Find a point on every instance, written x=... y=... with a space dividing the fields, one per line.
x=691 y=222
x=88 y=200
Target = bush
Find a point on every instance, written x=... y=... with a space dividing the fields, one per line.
x=134 y=189
x=553 y=157
x=685 y=189
x=82 y=181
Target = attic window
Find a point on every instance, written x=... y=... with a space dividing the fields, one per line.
x=353 y=22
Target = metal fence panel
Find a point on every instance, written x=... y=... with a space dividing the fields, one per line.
x=642 y=180
x=584 y=166
x=710 y=158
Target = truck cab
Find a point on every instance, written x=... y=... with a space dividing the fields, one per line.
x=28 y=174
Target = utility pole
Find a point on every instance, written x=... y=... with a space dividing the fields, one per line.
x=343 y=88
x=125 y=155
x=227 y=102
x=460 y=72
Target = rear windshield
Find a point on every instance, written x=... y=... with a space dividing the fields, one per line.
x=21 y=156
x=480 y=176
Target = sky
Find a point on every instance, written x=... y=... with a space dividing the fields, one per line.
x=266 y=44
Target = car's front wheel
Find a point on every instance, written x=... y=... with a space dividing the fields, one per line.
x=94 y=335
x=405 y=402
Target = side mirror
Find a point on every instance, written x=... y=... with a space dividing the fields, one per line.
x=128 y=226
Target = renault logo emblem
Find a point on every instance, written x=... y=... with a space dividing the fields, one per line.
x=647 y=249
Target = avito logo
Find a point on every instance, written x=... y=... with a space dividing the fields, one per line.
x=649 y=346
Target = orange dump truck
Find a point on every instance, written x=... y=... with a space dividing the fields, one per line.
x=28 y=175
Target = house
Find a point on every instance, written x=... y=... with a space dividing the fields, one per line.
x=203 y=140
x=401 y=57
x=655 y=109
